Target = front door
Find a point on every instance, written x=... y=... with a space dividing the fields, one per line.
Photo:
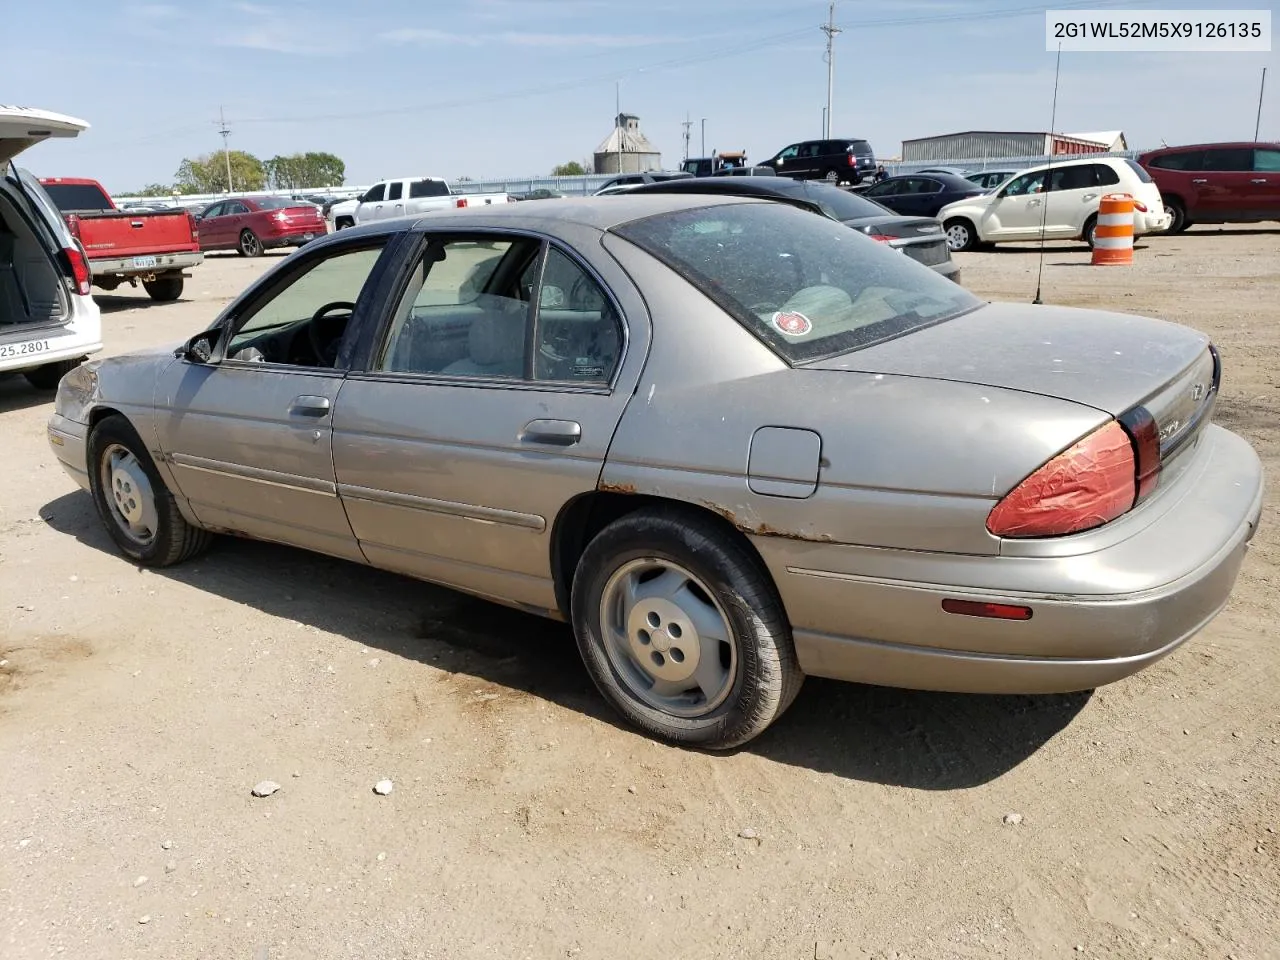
x=210 y=226
x=1018 y=210
x=487 y=406
x=786 y=163
x=248 y=437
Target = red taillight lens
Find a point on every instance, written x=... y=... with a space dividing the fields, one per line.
x=1081 y=488
x=1139 y=205
x=73 y=225
x=462 y=202
x=195 y=227
x=80 y=273
x=881 y=237
x=853 y=161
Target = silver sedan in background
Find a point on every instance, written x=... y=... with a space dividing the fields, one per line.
x=731 y=442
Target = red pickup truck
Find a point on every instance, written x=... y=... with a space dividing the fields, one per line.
x=154 y=248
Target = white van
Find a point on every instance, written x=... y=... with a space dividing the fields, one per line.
x=49 y=323
x=1068 y=209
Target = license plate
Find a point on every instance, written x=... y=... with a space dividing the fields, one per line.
x=308 y=236
x=144 y=261
x=25 y=349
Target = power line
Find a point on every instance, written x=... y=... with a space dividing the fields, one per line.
x=830 y=29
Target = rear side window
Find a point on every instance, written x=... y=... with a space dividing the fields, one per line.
x=1230 y=160
x=428 y=188
x=1188 y=160
x=76 y=197
x=395 y=190
x=1138 y=171
x=805 y=286
x=1266 y=161
x=1105 y=176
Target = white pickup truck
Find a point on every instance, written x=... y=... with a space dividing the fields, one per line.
x=406 y=197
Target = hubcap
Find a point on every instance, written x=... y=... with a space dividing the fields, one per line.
x=667 y=638
x=957 y=237
x=250 y=244
x=129 y=494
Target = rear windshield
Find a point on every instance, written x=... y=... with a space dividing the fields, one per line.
x=806 y=286
x=1137 y=168
x=72 y=197
x=861 y=148
x=428 y=188
x=278 y=203
x=843 y=205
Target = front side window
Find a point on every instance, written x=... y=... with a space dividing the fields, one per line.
x=374 y=193
x=888 y=188
x=805 y=286
x=1026 y=184
x=214 y=211
x=790 y=152
x=303 y=323
x=1185 y=160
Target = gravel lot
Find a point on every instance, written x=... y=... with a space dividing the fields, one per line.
x=139 y=709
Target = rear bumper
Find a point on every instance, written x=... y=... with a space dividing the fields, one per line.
x=1151 y=222
x=80 y=338
x=129 y=267
x=851 y=622
x=295 y=238
x=68 y=440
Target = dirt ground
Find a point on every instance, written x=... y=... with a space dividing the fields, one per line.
x=138 y=709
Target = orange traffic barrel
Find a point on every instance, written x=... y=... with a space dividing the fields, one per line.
x=1113 y=235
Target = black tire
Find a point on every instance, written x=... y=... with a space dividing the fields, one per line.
x=1179 y=214
x=1088 y=231
x=249 y=245
x=343 y=222
x=48 y=376
x=961 y=234
x=163 y=289
x=173 y=539
x=832 y=177
x=764 y=676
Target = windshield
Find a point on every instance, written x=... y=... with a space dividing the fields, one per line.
x=804 y=285
x=75 y=197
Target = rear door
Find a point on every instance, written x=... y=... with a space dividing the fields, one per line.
x=1075 y=197
x=1223 y=183
x=22 y=127
x=487 y=405
x=1264 y=185
x=393 y=206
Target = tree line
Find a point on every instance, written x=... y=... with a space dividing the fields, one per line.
x=208 y=174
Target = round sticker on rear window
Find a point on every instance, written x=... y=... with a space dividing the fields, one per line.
x=791 y=323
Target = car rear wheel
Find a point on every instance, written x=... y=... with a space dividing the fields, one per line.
x=832 y=176
x=961 y=235
x=250 y=245
x=1178 y=213
x=1088 y=234
x=682 y=630
x=136 y=507
x=163 y=289
x=48 y=376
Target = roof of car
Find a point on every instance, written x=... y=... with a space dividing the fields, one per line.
x=1226 y=145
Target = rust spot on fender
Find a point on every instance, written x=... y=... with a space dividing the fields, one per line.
x=764 y=529
x=627 y=488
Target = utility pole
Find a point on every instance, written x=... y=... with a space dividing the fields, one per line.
x=617 y=104
x=687 y=124
x=222 y=120
x=830 y=29
x=1257 y=125
x=704 y=136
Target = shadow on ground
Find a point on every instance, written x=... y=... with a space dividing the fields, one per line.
x=925 y=741
x=17 y=394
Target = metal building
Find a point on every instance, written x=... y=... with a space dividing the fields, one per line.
x=626 y=149
x=990 y=145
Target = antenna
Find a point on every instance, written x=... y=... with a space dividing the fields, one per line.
x=222 y=129
x=1048 y=173
x=830 y=29
x=1262 y=88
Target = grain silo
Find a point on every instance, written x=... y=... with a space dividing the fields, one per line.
x=626 y=149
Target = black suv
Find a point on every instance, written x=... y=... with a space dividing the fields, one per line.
x=836 y=161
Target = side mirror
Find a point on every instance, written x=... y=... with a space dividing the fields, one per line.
x=199 y=349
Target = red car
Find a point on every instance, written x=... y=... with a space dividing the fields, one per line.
x=254 y=224
x=1217 y=182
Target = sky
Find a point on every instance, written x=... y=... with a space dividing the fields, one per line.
x=510 y=88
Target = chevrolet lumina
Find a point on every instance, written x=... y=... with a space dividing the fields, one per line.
x=731 y=442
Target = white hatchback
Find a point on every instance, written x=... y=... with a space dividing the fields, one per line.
x=48 y=320
x=1067 y=210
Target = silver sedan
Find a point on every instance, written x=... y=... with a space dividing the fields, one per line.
x=732 y=443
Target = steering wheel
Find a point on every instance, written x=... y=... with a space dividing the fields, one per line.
x=327 y=356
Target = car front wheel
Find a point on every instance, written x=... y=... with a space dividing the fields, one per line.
x=136 y=507
x=961 y=235
x=682 y=630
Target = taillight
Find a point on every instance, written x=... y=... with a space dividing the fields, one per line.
x=80 y=273
x=853 y=161
x=1090 y=484
x=1144 y=432
x=280 y=216
x=462 y=202
x=1139 y=205
x=195 y=227
x=73 y=225
x=882 y=237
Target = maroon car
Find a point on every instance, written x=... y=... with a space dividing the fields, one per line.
x=253 y=224
x=1217 y=182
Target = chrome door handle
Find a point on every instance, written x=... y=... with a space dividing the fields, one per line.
x=1199 y=181
x=1090 y=196
x=1259 y=180
x=557 y=433
x=1033 y=203
x=309 y=406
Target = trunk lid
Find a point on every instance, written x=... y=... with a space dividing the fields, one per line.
x=23 y=127
x=1109 y=361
